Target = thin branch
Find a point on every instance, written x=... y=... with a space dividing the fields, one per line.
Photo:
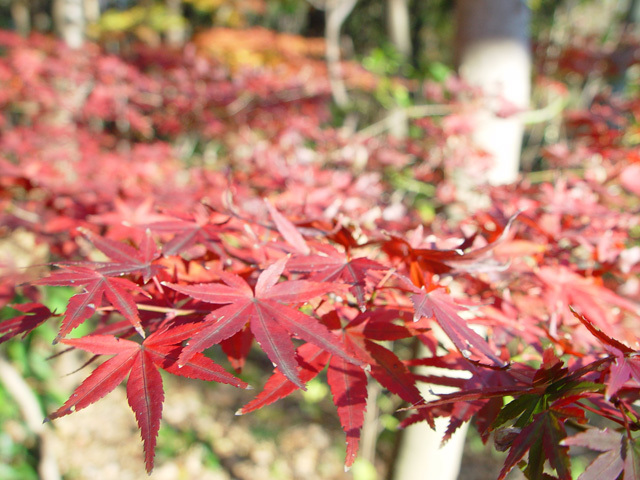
x=529 y=117
x=154 y=308
x=546 y=113
x=415 y=111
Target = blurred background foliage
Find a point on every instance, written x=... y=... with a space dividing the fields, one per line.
x=431 y=22
x=596 y=30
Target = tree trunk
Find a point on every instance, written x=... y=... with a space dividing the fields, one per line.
x=21 y=16
x=400 y=34
x=176 y=34
x=398 y=26
x=493 y=53
x=70 y=22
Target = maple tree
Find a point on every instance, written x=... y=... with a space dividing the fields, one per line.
x=336 y=269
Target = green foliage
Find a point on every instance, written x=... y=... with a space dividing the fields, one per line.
x=173 y=441
x=156 y=17
x=17 y=457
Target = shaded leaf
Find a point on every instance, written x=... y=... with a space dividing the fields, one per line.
x=348 y=385
x=619 y=454
x=34 y=315
x=444 y=311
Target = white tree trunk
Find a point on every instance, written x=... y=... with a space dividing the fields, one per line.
x=400 y=34
x=398 y=26
x=70 y=21
x=493 y=53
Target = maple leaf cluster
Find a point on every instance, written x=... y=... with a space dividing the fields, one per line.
x=277 y=233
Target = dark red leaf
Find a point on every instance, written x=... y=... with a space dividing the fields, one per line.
x=444 y=311
x=127 y=260
x=392 y=374
x=34 y=315
x=333 y=265
x=619 y=454
x=96 y=285
x=348 y=384
x=600 y=335
x=146 y=396
x=311 y=360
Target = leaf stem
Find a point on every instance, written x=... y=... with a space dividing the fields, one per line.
x=155 y=308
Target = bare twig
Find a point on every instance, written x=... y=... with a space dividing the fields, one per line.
x=415 y=111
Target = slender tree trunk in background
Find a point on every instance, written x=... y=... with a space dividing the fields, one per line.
x=398 y=26
x=493 y=53
x=69 y=21
x=175 y=34
x=624 y=55
x=633 y=15
x=21 y=16
x=399 y=29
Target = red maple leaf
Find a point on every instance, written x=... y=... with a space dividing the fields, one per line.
x=237 y=347
x=438 y=305
x=619 y=454
x=564 y=287
x=96 y=285
x=201 y=226
x=126 y=216
x=128 y=260
x=311 y=360
x=332 y=265
x=144 y=386
x=626 y=364
x=271 y=321
x=348 y=382
x=419 y=257
x=348 y=385
x=542 y=439
x=288 y=231
x=386 y=367
x=34 y=315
